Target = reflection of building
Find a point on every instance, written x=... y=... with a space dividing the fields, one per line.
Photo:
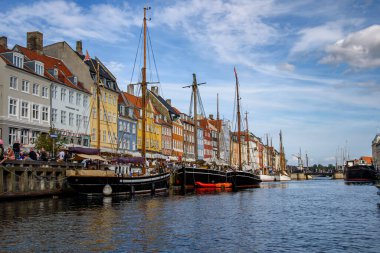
x=24 y=93
x=85 y=70
x=376 y=151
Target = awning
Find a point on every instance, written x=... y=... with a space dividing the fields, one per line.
x=79 y=157
x=81 y=150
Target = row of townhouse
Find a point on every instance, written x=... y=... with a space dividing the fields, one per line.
x=55 y=87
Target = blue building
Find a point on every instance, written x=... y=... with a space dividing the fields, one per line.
x=127 y=128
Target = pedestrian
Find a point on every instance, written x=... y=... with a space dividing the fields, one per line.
x=2 y=154
x=43 y=156
x=61 y=156
x=32 y=155
x=17 y=149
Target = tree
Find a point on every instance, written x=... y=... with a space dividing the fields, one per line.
x=45 y=141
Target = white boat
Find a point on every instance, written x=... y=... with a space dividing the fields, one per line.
x=282 y=177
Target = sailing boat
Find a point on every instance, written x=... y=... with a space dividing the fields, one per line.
x=239 y=178
x=107 y=182
x=189 y=177
x=282 y=174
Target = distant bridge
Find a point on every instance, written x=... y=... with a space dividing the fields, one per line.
x=325 y=173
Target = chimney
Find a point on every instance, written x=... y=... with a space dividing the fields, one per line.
x=79 y=47
x=130 y=89
x=34 y=41
x=211 y=116
x=154 y=89
x=4 y=42
x=169 y=101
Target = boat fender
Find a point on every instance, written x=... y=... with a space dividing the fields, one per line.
x=107 y=190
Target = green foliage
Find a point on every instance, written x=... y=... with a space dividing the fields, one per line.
x=45 y=141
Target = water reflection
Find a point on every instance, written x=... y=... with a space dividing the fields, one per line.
x=309 y=216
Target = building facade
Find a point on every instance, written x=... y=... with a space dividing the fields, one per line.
x=24 y=97
x=127 y=128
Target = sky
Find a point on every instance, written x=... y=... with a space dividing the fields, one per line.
x=308 y=68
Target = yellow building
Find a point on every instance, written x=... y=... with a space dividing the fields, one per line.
x=153 y=126
x=85 y=68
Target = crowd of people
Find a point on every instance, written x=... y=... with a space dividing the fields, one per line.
x=17 y=152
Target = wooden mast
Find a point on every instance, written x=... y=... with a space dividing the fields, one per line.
x=267 y=169
x=238 y=117
x=143 y=97
x=247 y=136
x=282 y=155
x=97 y=106
x=219 y=126
x=195 y=91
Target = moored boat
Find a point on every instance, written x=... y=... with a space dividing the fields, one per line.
x=217 y=185
x=107 y=182
x=188 y=176
x=360 y=173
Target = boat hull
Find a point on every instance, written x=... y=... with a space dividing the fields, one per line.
x=266 y=178
x=360 y=173
x=243 y=179
x=119 y=184
x=282 y=178
x=217 y=185
x=187 y=176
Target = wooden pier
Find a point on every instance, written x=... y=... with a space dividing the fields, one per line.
x=22 y=179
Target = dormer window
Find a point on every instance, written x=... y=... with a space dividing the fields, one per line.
x=55 y=72
x=75 y=80
x=39 y=68
x=18 y=60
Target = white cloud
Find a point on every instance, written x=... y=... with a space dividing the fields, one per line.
x=359 y=50
x=60 y=19
x=286 y=67
x=316 y=37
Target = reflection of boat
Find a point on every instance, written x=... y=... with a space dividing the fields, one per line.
x=211 y=190
x=108 y=181
x=217 y=185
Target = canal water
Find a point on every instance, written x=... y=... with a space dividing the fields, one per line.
x=298 y=216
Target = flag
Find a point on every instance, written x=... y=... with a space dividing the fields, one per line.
x=87 y=57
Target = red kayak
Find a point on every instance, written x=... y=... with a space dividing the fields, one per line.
x=217 y=185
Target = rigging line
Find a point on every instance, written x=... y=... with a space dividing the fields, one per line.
x=191 y=104
x=201 y=103
x=154 y=58
x=149 y=65
x=137 y=51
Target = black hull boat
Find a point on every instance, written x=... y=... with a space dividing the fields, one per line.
x=243 y=179
x=111 y=184
x=187 y=176
x=360 y=173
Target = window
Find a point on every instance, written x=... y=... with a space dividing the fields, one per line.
x=54 y=90
x=128 y=130
x=24 y=136
x=79 y=98
x=104 y=135
x=79 y=120
x=25 y=109
x=109 y=137
x=93 y=137
x=25 y=86
x=45 y=91
x=71 y=119
x=94 y=113
x=12 y=135
x=120 y=126
x=63 y=94
x=109 y=98
x=13 y=82
x=71 y=97
x=85 y=121
x=45 y=113
x=39 y=69
x=36 y=89
x=35 y=111
x=13 y=107
x=63 y=117
x=18 y=60
x=35 y=135
x=85 y=101
x=54 y=115
x=133 y=128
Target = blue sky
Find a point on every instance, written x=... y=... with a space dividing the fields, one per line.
x=308 y=68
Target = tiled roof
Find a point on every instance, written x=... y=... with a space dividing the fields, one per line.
x=170 y=108
x=50 y=63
